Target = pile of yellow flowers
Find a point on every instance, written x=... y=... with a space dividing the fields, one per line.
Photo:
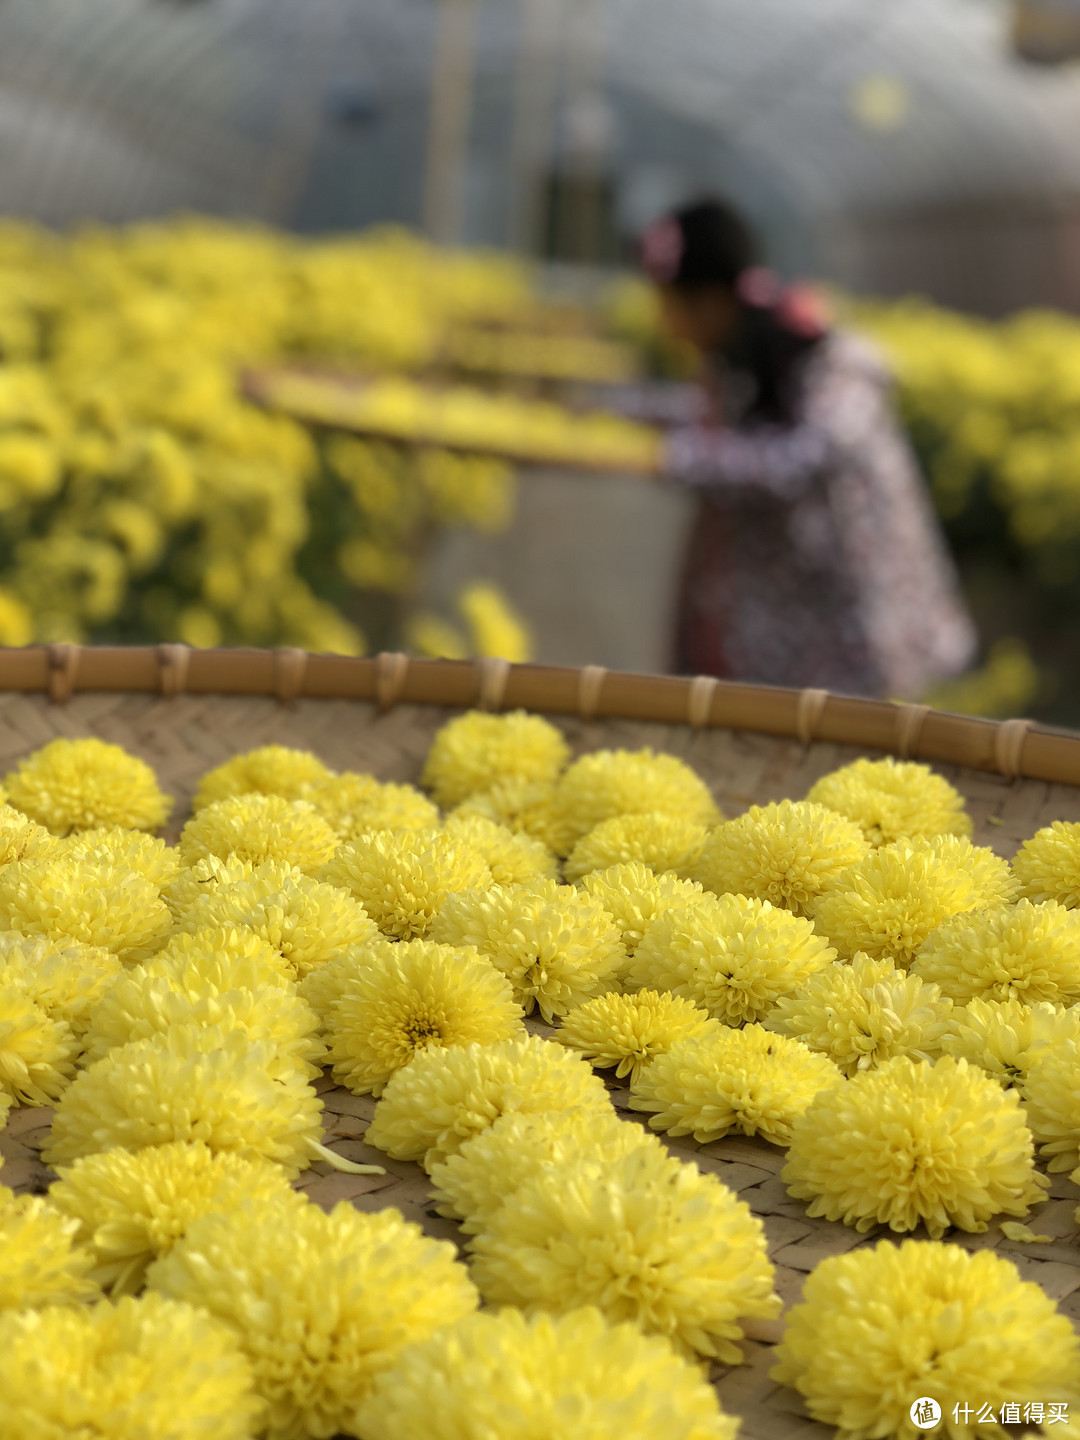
x=846 y=976
x=143 y=498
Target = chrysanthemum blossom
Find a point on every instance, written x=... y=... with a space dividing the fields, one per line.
x=607 y=783
x=1052 y=1104
x=127 y=850
x=127 y=1207
x=37 y=1053
x=267 y=770
x=893 y=800
x=260 y=829
x=633 y=895
x=732 y=956
x=878 y=1328
x=199 y=879
x=402 y=878
x=865 y=1013
x=87 y=785
x=943 y=1144
x=747 y=1080
x=218 y=958
x=630 y=1031
x=1005 y=1037
x=662 y=842
x=527 y=807
x=442 y=1098
x=146 y=1367
x=22 y=838
x=397 y=999
x=471 y=1185
x=354 y=804
x=321 y=1303
x=192 y=1083
x=888 y=904
x=514 y=859
x=1027 y=952
x=40 y=1263
x=84 y=900
x=66 y=979
x=1047 y=867
x=306 y=921
x=507 y=1377
x=786 y=854
x=556 y=945
x=645 y=1238
x=141 y=1007
x=477 y=750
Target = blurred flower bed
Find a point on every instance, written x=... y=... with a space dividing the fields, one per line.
x=142 y=498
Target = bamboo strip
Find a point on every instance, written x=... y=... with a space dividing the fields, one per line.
x=1028 y=751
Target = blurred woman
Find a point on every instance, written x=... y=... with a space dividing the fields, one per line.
x=815 y=558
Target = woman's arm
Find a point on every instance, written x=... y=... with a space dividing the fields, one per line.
x=776 y=460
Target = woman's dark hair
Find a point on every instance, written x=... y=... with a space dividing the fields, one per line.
x=708 y=245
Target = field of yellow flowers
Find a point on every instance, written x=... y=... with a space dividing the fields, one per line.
x=142 y=498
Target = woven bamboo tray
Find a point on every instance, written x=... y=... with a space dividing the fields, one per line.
x=184 y=711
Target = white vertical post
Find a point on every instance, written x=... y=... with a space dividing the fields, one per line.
x=535 y=83
x=448 y=132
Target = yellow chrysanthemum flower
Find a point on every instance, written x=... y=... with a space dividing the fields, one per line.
x=141 y=1007
x=477 y=750
x=744 y=1080
x=888 y=904
x=21 y=838
x=1052 y=1104
x=260 y=829
x=1047 y=867
x=442 y=1098
x=629 y=1031
x=878 y=1328
x=393 y=1000
x=633 y=895
x=192 y=1083
x=268 y=770
x=87 y=785
x=37 y=1053
x=939 y=1143
x=40 y=1264
x=471 y=1185
x=893 y=800
x=607 y=783
x=513 y=858
x=219 y=958
x=353 y=804
x=402 y=878
x=865 y=1013
x=126 y=850
x=528 y=808
x=66 y=980
x=1027 y=952
x=731 y=956
x=146 y=1367
x=506 y=1377
x=306 y=921
x=644 y=1238
x=201 y=878
x=1006 y=1037
x=84 y=900
x=662 y=842
x=321 y=1303
x=130 y=1206
x=786 y=854
x=556 y=945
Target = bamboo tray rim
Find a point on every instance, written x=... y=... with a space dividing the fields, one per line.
x=1016 y=749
